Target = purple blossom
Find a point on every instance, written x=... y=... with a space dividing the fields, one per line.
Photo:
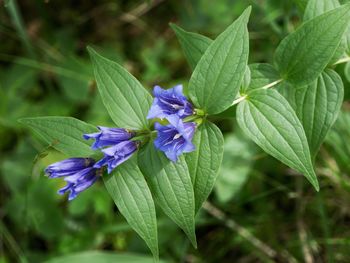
x=108 y=136
x=169 y=102
x=79 y=174
x=120 y=146
x=117 y=154
x=175 y=138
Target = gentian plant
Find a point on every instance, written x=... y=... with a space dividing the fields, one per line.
x=165 y=149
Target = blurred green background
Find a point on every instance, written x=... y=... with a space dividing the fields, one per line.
x=259 y=211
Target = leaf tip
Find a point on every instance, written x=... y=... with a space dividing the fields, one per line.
x=21 y=120
x=176 y=28
x=246 y=13
x=92 y=52
x=155 y=255
x=195 y=244
x=316 y=186
x=193 y=240
x=172 y=25
x=24 y=121
x=90 y=49
x=313 y=180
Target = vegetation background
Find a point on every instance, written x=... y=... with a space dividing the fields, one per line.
x=259 y=211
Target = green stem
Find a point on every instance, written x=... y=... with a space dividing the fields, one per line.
x=238 y=100
x=19 y=25
x=342 y=60
x=271 y=84
x=12 y=243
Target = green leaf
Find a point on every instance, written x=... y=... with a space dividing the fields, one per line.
x=126 y=101
x=101 y=257
x=246 y=80
x=337 y=141
x=304 y=54
x=193 y=45
x=268 y=119
x=65 y=134
x=236 y=166
x=204 y=162
x=261 y=74
x=216 y=79
x=347 y=42
x=301 y=4
x=317 y=106
x=171 y=187
x=318 y=7
x=131 y=194
x=347 y=71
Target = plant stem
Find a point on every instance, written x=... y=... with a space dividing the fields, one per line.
x=270 y=85
x=342 y=60
x=5 y=233
x=236 y=101
x=19 y=25
x=285 y=256
x=302 y=230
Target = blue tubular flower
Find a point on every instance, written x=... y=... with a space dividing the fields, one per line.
x=68 y=167
x=169 y=102
x=79 y=174
x=175 y=138
x=117 y=154
x=108 y=136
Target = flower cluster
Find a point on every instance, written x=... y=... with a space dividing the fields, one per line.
x=80 y=173
x=118 y=144
x=176 y=137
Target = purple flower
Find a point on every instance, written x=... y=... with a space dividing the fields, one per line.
x=175 y=138
x=79 y=174
x=108 y=136
x=121 y=147
x=117 y=154
x=169 y=102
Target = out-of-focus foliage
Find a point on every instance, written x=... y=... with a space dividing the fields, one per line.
x=45 y=70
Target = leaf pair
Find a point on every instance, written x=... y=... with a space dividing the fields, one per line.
x=300 y=58
x=304 y=54
x=181 y=188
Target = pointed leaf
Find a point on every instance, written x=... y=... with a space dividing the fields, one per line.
x=216 y=80
x=317 y=106
x=63 y=133
x=301 y=4
x=204 y=162
x=193 y=45
x=268 y=119
x=304 y=54
x=347 y=42
x=171 y=187
x=126 y=101
x=318 y=7
x=131 y=194
x=347 y=71
x=238 y=161
x=246 y=80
